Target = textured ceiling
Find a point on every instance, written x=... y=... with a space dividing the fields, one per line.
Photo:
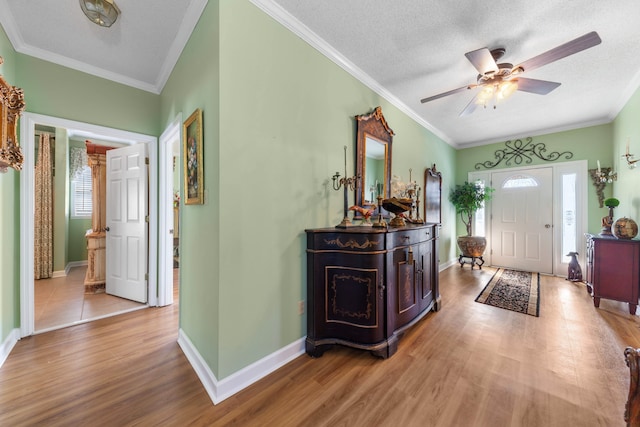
x=405 y=50
x=139 y=50
x=412 y=49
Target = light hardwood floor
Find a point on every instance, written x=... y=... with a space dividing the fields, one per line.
x=467 y=365
x=62 y=302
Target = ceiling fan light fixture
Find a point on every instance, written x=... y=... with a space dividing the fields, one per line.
x=507 y=88
x=100 y=12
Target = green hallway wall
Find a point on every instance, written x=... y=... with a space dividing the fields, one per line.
x=9 y=221
x=277 y=114
x=626 y=188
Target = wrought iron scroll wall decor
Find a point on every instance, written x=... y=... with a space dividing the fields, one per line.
x=517 y=152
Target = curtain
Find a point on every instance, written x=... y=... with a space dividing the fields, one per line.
x=43 y=265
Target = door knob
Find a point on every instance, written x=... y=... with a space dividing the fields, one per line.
x=547 y=226
x=106 y=229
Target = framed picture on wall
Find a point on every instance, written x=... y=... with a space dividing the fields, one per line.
x=193 y=159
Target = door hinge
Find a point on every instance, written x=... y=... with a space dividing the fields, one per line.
x=146 y=218
x=146 y=276
x=146 y=160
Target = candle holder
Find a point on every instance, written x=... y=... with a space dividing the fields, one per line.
x=631 y=162
x=346 y=183
x=380 y=223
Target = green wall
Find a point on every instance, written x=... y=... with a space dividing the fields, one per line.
x=9 y=221
x=591 y=143
x=272 y=141
x=626 y=129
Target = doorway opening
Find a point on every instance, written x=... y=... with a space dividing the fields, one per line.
x=27 y=191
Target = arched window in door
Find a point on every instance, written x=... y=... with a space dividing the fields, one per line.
x=520 y=181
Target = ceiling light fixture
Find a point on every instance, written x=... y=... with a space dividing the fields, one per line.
x=101 y=12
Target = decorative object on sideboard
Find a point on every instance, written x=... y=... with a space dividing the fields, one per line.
x=517 y=152
x=631 y=162
x=607 y=221
x=397 y=206
x=346 y=183
x=380 y=223
x=467 y=199
x=366 y=214
x=599 y=183
x=625 y=228
x=432 y=195
x=11 y=107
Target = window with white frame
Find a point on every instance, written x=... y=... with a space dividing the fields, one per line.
x=81 y=193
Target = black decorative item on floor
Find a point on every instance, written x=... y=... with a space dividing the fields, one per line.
x=513 y=290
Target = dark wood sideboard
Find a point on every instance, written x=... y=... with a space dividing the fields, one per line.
x=366 y=286
x=613 y=269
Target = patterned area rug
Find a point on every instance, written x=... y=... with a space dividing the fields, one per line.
x=513 y=290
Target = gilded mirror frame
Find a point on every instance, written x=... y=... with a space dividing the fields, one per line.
x=11 y=106
x=374 y=126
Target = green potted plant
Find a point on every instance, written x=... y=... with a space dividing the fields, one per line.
x=467 y=199
x=607 y=221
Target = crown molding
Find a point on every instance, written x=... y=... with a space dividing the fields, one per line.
x=305 y=33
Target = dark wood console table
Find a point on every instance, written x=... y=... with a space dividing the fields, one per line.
x=613 y=269
x=366 y=286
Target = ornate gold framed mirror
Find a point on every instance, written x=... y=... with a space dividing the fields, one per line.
x=373 y=157
x=11 y=106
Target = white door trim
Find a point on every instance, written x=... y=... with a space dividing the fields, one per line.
x=27 y=209
x=580 y=168
x=165 y=209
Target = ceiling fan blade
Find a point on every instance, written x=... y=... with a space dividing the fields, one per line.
x=451 y=92
x=482 y=60
x=471 y=106
x=574 y=46
x=539 y=87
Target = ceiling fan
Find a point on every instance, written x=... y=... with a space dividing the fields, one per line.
x=498 y=81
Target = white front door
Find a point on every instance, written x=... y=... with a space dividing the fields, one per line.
x=127 y=231
x=522 y=220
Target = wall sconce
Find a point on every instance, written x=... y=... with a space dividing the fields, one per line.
x=600 y=178
x=101 y=12
x=631 y=162
x=606 y=175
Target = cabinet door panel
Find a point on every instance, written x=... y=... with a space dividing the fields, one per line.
x=351 y=297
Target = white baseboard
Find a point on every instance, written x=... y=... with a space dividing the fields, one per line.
x=8 y=344
x=74 y=264
x=448 y=264
x=59 y=273
x=220 y=390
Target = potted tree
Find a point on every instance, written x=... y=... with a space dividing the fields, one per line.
x=468 y=198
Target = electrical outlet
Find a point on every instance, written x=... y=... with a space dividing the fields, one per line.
x=301 y=307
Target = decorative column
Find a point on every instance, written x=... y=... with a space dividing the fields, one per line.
x=95 y=279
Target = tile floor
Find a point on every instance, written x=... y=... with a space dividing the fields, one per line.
x=62 y=302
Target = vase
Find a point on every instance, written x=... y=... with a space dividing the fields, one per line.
x=625 y=228
x=472 y=246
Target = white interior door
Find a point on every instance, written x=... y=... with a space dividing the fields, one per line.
x=522 y=220
x=126 y=223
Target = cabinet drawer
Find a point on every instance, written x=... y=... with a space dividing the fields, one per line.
x=409 y=237
x=356 y=242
